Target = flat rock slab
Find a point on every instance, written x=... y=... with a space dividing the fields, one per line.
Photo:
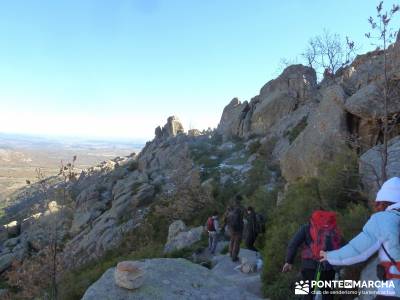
x=225 y=268
x=170 y=279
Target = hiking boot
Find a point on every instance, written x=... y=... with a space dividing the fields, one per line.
x=235 y=259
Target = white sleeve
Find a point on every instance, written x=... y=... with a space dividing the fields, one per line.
x=359 y=249
x=216 y=225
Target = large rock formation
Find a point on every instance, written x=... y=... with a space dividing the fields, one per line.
x=323 y=137
x=179 y=236
x=371 y=166
x=106 y=203
x=189 y=281
x=172 y=128
x=281 y=96
x=307 y=123
x=278 y=98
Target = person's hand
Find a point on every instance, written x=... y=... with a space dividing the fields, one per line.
x=323 y=256
x=287 y=267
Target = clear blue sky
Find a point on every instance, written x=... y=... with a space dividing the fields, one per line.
x=120 y=68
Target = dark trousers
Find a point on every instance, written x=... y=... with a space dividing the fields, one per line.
x=250 y=243
x=234 y=245
x=310 y=274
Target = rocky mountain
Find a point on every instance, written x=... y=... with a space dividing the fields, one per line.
x=323 y=117
x=281 y=135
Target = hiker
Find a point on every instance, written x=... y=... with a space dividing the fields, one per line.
x=321 y=233
x=213 y=231
x=251 y=229
x=235 y=226
x=380 y=233
x=225 y=227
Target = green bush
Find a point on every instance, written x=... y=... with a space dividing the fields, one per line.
x=254 y=146
x=301 y=199
x=284 y=286
x=294 y=132
x=352 y=220
x=335 y=189
x=339 y=181
x=258 y=175
x=225 y=250
x=133 y=166
x=216 y=139
x=263 y=201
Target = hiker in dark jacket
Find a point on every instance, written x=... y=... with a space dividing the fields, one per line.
x=235 y=226
x=251 y=229
x=320 y=233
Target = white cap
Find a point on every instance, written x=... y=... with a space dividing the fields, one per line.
x=390 y=191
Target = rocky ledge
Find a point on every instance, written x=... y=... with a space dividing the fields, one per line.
x=171 y=279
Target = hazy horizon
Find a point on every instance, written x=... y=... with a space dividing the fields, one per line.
x=101 y=69
x=73 y=138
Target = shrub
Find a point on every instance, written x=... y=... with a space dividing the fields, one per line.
x=225 y=250
x=133 y=166
x=301 y=199
x=263 y=201
x=254 y=146
x=339 y=181
x=295 y=131
x=335 y=189
x=258 y=175
x=352 y=220
x=216 y=139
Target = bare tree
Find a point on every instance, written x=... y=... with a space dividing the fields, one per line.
x=311 y=53
x=328 y=52
x=384 y=36
x=40 y=273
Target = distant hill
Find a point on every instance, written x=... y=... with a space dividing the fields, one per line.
x=21 y=155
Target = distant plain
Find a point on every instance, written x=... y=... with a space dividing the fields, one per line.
x=22 y=155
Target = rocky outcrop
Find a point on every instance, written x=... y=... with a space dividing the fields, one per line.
x=294 y=88
x=345 y=109
x=232 y=117
x=282 y=96
x=171 y=129
x=371 y=164
x=118 y=196
x=179 y=236
x=189 y=281
x=324 y=136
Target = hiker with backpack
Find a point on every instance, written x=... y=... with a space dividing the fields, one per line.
x=321 y=233
x=251 y=229
x=235 y=226
x=380 y=234
x=213 y=231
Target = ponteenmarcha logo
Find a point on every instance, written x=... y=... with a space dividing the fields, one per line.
x=305 y=287
x=302 y=287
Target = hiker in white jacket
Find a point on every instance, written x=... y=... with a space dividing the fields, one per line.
x=381 y=233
